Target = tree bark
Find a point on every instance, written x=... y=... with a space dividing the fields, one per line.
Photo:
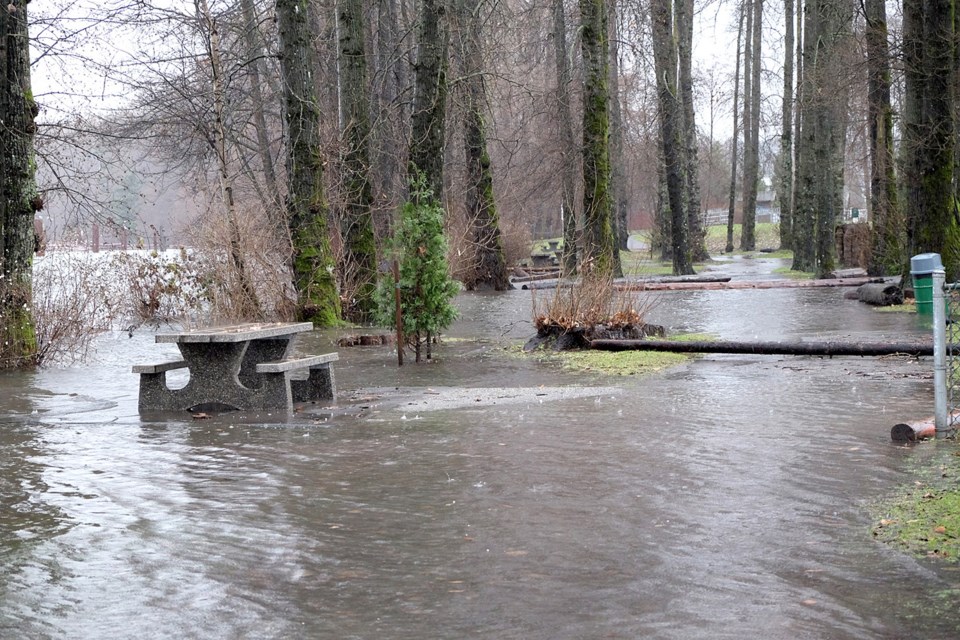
x=312 y=260
x=358 y=268
x=751 y=121
x=928 y=132
x=600 y=253
x=671 y=127
x=786 y=131
x=736 y=132
x=819 y=183
x=255 y=54
x=887 y=255
x=489 y=269
x=250 y=308
x=697 y=233
x=568 y=178
x=430 y=97
x=618 y=175
x=19 y=200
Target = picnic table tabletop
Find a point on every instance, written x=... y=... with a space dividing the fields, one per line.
x=237 y=332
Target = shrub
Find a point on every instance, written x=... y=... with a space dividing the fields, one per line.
x=426 y=288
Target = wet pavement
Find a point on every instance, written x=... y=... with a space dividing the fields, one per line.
x=726 y=498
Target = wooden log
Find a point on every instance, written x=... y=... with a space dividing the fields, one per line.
x=855 y=272
x=749 y=284
x=880 y=294
x=769 y=348
x=913 y=431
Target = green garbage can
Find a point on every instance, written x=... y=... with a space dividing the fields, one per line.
x=922 y=267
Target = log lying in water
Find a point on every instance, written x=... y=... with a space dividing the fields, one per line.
x=769 y=348
x=552 y=282
x=745 y=284
x=913 y=431
x=881 y=294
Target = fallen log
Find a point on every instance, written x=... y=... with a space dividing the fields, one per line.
x=769 y=348
x=748 y=284
x=920 y=429
x=552 y=282
x=880 y=294
x=913 y=431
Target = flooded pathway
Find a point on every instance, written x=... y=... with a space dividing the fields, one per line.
x=727 y=498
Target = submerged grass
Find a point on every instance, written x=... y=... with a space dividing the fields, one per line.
x=624 y=363
x=924 y=519
x=906 y=307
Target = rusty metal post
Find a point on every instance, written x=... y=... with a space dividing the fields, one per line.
x=399 y=320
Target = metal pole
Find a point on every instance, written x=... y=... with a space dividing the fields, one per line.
x=940 y=355
x=399 y=312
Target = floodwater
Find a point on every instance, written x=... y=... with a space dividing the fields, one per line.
x=727 y=498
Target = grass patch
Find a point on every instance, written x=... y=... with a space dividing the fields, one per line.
x=794 y=275
x=767 y=236
x=625 y=363
x=924 y=519
x=906 y=307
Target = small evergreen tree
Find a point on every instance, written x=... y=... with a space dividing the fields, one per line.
x=426 y=288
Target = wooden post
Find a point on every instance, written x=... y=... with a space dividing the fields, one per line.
x=396 y=296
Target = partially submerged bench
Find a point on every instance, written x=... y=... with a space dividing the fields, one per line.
x=241 y=367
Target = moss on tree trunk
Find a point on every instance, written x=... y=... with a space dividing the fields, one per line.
x=19 y=200
x=313 y=267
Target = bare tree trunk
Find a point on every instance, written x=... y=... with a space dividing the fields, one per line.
x=430 y=99
x=751 y=160
x=489 y=268
x=888 y=255
x=820 y=147
x=671 y=127
x=313 y=267
x=618 y=176
x=20 y=200
x=568 y=154
x=928 y=132
x=255 y=54
x=211 y=38
x=600 y=252
x=359 y=270
x=786 y=131
x=697 y=233
x=736 y=132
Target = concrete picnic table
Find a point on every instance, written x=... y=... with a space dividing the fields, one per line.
x=238 y=367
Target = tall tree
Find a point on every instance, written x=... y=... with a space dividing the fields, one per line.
x=697 y=233
x=19 y=200
x=430 y=99
x=489 y=269
x=600 y=252
x=887 y=255
x=751 y=120
x=568 y=177
x=359 y=269
x=313 y=266
x=819 y=183
x=256 y=52
x=618 y=176
x=210 y=32
x=928 y=131
x=670 y=110
x=786 y=130
x=731 y=210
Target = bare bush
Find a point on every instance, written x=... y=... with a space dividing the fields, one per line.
x=160 y=288
x=75 y=299
x=258 y=288
x=591 y=308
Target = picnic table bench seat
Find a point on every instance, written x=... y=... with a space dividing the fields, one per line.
x=319 y=384
x=160 y=367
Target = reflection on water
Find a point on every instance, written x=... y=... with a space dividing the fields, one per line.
x=724 y=499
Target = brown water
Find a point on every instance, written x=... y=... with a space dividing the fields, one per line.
x=723 y=499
